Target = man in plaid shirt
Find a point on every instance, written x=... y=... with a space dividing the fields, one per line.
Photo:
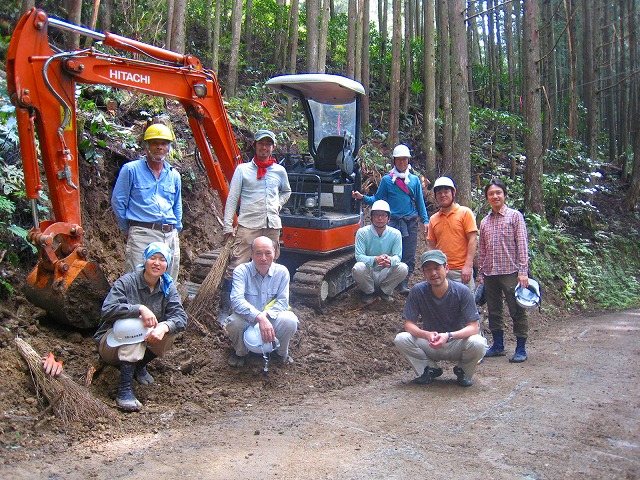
x=503 y=255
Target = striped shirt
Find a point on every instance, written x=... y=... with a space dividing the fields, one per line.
x=503 y=247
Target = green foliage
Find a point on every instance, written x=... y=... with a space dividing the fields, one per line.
x=586 y=274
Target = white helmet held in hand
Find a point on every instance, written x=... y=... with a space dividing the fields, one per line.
x=253 y=341
x=127 y=332
x=530 y=296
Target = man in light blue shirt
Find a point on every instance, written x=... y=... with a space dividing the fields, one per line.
x=260 y=294
x=147 y=200
x=378 y=256
x=403 y=190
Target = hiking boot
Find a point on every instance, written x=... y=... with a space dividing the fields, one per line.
x=462 y=378
x=427 y=376
x=236 y=360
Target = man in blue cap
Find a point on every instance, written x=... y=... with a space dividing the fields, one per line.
x=449 y=330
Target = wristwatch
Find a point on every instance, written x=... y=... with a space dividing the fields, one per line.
x=450 y=337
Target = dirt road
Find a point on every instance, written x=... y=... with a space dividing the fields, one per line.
x=571 y=411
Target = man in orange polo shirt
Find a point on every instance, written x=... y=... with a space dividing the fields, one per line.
x=453 y=230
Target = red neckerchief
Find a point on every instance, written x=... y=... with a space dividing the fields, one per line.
x=400 y=183
x=262 y=166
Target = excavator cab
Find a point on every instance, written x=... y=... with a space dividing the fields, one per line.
x=320 y=220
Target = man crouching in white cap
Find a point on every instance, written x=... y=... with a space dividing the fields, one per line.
x=140 y=318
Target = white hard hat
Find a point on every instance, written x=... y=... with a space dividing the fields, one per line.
x=401 y=151
x=128 y=331
x=444 y=182
x=530 y=296
x=253 y=341
x=381 y=205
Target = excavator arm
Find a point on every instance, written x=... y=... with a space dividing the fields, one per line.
x=42 y=86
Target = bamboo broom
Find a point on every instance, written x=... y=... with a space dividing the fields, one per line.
x=202 y=303
x=69 y=401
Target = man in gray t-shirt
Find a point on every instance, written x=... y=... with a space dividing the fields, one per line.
x=449 y=324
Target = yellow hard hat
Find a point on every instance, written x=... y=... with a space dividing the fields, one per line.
x=158 y=131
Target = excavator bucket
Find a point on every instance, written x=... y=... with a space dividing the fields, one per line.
x=73 y=298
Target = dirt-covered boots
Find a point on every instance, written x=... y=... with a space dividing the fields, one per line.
x=497 y=349
x=125 y=399
x=521 y=353
x=142 y=376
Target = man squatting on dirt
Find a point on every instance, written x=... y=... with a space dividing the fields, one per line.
x=147 y=200
x=260 y=294
x=147 y=306
x=378 y=253
x=450 y=324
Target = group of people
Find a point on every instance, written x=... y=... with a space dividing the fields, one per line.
x=143 y=313
x=445 y=303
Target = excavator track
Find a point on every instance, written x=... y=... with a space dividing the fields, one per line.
x=317 y=281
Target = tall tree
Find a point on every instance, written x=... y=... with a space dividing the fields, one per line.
x=313 y=16
x=215 y=37
x=460 y=102
x=293 y=36
x=366 y=67
x=548 y=73
x=590 y=73
x=248 y=29
x=429 y=80
x=573 y=98
x=394 y=94
x=533 y=199
x=383 y=10
x=74 y=7
x=444 y=74
x=234 y=53
x=351 y=38
x=324 y=33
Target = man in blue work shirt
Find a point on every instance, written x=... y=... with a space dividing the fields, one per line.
x=147 y=200
x=378 y=252
x=403 y=191
x=260 y=294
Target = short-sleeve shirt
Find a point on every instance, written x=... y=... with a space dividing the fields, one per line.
x=449 y=233
x=452 y=312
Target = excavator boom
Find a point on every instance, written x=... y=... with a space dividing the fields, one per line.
x=41 y=84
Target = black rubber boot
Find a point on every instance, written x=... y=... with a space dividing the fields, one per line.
x=497 y=349
x=142 y=376
x=224 y=309
x=521 y=353
x=404 y=287
x=125 y=399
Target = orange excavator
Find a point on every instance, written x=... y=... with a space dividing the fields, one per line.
x=42 y=86
x=319 y=221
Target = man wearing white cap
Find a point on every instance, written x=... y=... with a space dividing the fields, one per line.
x=140 y=318
x=258 y=191
x=403 y=191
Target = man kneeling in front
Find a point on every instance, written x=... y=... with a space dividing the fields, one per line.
x=450 y=325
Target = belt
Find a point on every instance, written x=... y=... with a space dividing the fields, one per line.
x=163 y=227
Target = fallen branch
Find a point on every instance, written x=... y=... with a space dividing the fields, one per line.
x=69 y=401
